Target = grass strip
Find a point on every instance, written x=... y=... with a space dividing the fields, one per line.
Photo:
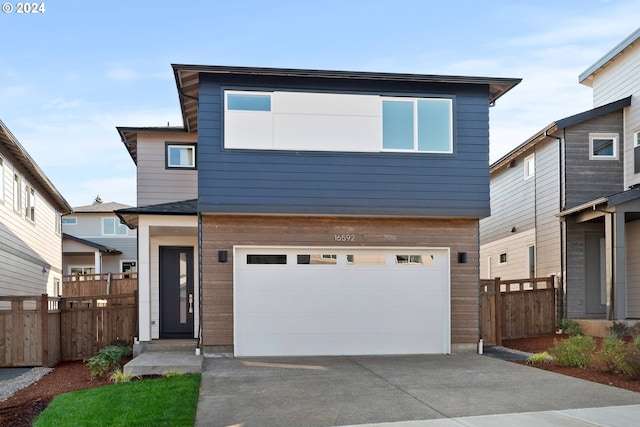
x=154 y=402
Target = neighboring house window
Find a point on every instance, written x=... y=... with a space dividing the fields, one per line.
x=58 y=224
x=532 y=261
x=603 y=146
x=636 y=152
x=128 y=267
x=29 y=203
x=422 y=124
x=529 y=166
x=69 y=220
x=113 y=227
x=181 y=156
x=248 y=101
x=17 y=194
x=503 y=258
x=82 y=270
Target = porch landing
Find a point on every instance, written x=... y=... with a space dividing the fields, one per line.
x=159 y=356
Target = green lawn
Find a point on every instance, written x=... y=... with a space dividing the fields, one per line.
x=153 y=402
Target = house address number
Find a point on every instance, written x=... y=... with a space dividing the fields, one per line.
x=344 y=237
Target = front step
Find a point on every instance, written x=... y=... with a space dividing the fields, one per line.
x=161 y=356
x=182 y=345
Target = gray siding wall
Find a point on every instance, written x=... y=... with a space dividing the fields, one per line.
x=512 y=203
x=586 y=179
x=345 y=183
x=156 y=183
x=576 y=271
x=547 y=181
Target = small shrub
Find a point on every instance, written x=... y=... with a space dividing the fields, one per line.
x=613 y=355
x=619 y=329
x=108 y=359
x=632 y=359
x=574 y=351
x=570 y=327
x=118 y=376
x=543 y=357
x=172 y=373
x=634 y=331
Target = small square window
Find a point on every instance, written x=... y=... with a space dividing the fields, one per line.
x=529 y=166
x=503 y=258
x=181 y=156
x=603 y=146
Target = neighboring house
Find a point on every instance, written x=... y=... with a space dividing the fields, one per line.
x=308 y=212
x=589 y=181
x=30 y=229
x=94 y=241
x=566 y=164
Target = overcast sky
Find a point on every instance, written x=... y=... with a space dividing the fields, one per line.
x=70 y=75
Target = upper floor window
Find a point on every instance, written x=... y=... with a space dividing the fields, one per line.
x=603 y=146
x=69 y=220
x=248 y=101
x=29 y=203
x=418 y=124
x=636 y=139
x=58 y=224
x=181 y=156
x=113 y=227
x=17 y=193
x=529 y=166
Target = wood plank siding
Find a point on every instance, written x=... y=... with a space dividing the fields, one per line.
x=222 y=232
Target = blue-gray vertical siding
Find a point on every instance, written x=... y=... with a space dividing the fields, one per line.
x=301 y=182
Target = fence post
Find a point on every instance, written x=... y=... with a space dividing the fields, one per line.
x=498 y=305
x=44 y=326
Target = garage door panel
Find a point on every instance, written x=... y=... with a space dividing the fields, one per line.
x=345 y=344
x=292 y=309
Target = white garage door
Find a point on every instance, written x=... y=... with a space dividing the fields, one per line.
x=337 y=301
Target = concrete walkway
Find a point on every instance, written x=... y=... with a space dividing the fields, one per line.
x=403 y=391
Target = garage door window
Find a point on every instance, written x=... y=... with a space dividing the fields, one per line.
x=266 y=259
x=318 y=259
x=414 y=259
x=366 y=259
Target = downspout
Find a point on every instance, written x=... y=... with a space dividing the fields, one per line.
x=561 y=308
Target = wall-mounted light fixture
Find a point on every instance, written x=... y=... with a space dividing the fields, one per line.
x=462 y=257
x=513 y=229
x=222 y=256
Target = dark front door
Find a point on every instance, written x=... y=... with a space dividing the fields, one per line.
x=176 y=292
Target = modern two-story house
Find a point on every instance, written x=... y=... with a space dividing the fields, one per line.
x=95 y=241
x=310 y=212
x=30 y=229
x=566 y=201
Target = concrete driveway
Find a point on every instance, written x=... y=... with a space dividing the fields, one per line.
x=337 y=391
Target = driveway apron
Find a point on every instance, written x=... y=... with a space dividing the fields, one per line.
x=336 y=391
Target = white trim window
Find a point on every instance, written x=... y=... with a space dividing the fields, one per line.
x=181 y=156
x=113 y=227
x=417 y=124
x=29 y=203
x=69 y=220
x=636 y=138
x=502 y=258
x=17 y=193
x=529 y=166
x=603 y=146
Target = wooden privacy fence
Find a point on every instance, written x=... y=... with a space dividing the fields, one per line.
x=99 y=284
x=41 y=330
x=29 y=330
x=516 y=308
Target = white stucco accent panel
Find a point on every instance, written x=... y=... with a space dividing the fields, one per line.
x=144 y=284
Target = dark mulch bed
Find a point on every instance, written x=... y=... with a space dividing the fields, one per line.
x=595 y=374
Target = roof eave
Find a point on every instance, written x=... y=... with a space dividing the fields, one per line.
x=586 y=78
